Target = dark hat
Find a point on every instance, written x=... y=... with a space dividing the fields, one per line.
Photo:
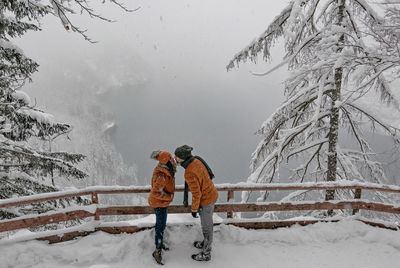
x=184 y=152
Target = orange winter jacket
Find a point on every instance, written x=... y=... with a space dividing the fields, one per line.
x=162 y=187
x=200 y=185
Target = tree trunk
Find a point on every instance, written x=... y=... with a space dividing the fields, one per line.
x=334 y=118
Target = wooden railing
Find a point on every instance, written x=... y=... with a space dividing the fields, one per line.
x=96 y=210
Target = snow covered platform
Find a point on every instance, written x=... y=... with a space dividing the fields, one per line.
x=347 y=243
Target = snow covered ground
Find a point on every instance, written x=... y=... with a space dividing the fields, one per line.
x=344 y=244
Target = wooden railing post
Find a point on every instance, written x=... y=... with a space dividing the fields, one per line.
x=95 y=200
x=231 y=196
x=357 y=195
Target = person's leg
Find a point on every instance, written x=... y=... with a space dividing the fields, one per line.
x=164 y=215
x=207 y=226
x=161 y=222
x=159 y=232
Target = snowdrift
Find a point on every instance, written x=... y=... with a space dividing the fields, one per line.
x=347 y=243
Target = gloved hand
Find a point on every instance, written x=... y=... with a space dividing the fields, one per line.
x=185 y=203
x=194 y=214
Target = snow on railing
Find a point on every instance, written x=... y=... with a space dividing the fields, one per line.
x=96 y=210
x=179 y=188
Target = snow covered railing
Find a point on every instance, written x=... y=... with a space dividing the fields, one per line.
x=96 y=210
x=230 y=188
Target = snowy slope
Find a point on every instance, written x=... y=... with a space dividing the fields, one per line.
x=343 y=244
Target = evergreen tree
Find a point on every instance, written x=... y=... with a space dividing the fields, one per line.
x=334 y=57
x=25 y=169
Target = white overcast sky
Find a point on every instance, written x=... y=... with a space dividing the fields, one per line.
x=181 y=48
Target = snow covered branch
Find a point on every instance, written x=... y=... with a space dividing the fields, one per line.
x=337 y=52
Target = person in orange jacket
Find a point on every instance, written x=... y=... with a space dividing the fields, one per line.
x=198 y=177
x=161 y=195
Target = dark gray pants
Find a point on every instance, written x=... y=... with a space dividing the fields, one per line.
x=207 y=226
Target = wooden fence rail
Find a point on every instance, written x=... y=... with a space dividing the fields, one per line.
x=26 y=200
x=97 y=210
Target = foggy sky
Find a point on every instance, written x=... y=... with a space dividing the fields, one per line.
x=180 y=49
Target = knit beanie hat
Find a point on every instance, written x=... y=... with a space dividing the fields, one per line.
x=184 y=152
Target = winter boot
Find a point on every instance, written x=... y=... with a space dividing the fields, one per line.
x=157 y=256
x=198 y=244
x=201 y=257
x=164 y=246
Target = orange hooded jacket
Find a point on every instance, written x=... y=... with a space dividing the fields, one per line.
x=162 y=184
x=200 y=185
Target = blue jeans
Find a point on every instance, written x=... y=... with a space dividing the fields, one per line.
x=161 y=222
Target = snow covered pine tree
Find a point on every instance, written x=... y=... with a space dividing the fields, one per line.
x=24 y=170
x=333 y=52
